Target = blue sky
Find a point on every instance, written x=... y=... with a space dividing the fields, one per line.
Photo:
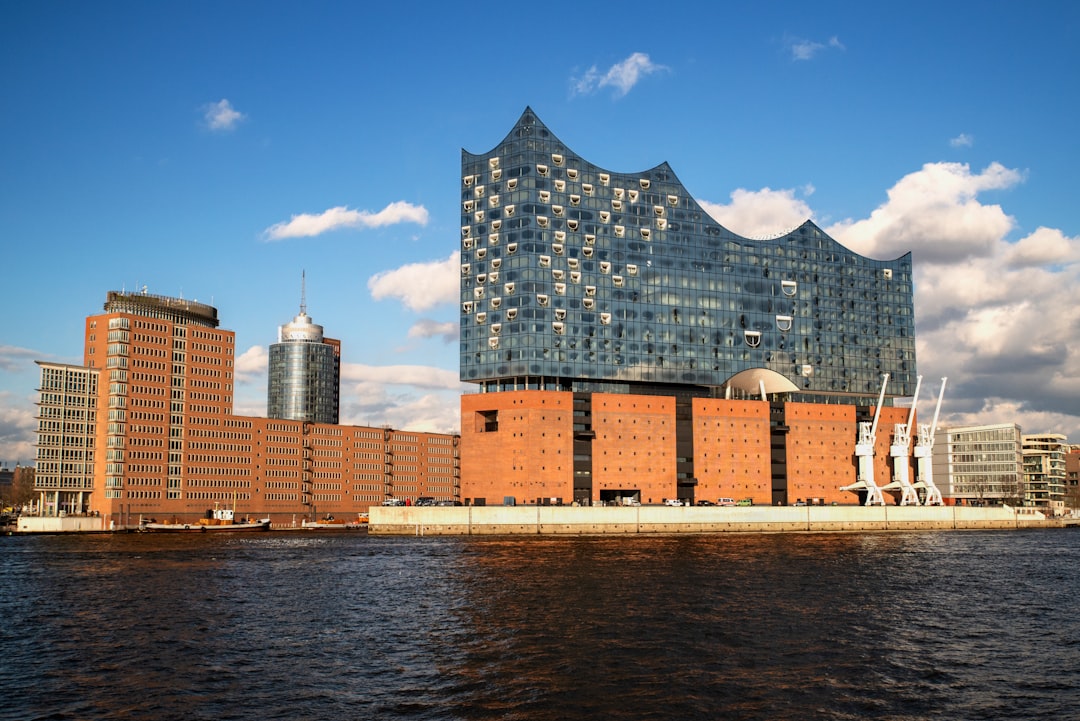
x=216 y=150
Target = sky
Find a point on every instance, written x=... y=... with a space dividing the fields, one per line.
x=217 y=151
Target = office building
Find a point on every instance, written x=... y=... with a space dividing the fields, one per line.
x=980 y=465
x=304 y=373
x=623 y=344
x=67 y=423
x=145 y=429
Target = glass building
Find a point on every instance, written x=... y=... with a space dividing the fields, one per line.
x=304 y=373
x=577 y=278
x=980 y=465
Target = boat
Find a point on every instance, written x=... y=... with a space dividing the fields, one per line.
x=329 y=522
x=216 y=520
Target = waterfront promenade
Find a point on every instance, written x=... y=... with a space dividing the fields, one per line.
x=599 y=520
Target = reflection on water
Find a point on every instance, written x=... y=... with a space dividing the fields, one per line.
x=325 y=625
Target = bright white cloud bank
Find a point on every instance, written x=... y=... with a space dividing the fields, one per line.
x=621 y=76
x=307 y=225
x=420 y=286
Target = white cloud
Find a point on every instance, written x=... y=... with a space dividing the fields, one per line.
x=307 y=225
x=759 y=213
x=807 y=49
x=426 y=328
x=963 y=140
x=934 y=213
x=420 y=286
x=251 y=365
x=403 y=375
x=1044 y=247
x=17 y=429
x=621 y=76
x=374 y=405
x=995 y=315
x=221 y=116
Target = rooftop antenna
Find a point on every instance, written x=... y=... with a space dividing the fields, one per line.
x=303 y=293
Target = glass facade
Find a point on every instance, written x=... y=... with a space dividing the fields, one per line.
x=980 y=464
x=577 y=278
x=304 y=374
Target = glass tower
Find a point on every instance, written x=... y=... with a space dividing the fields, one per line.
x=304 y=375
x=577 y=278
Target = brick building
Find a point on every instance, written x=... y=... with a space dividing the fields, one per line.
x=625 y=347
x=145 y=429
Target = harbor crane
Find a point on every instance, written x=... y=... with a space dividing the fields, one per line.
x=924 y=451
x=864 y=451
x=900 y=450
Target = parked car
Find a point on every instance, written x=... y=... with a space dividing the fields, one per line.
x=672 y=502
x=394 y=502
x=425 y=501
x=704 y=502
x=799 y=502
x=726 y=502
x=448 y=503
x=745 y=502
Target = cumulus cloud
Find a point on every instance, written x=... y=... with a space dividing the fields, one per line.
x=221 y=116
x=251 y=365
x=935 y=213
x=17 y=429
x=426 y=328
x=366 y=404
x=995 y=313
x=761 y=213
x=1044 y=247
x=806 y=49
x=622 y=76
x=404 y=375
x=420 y=286
x=306 y=225
x=963 y=140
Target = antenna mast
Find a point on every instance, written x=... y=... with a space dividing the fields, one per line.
x=303 y=293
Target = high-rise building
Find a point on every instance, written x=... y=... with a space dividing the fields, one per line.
x=304 y=373
x=637 y=325
x=1044 y=471
x=980 y=465
x=145 y=429
x=67 y=421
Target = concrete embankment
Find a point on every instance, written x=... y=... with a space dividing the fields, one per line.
x=569 y=520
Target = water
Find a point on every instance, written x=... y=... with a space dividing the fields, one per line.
x=955 y=625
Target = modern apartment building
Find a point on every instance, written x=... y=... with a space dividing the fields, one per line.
x=145 y=429
x=980 y=465
x=625 y=345
x=67 y=434
x=1044 y=471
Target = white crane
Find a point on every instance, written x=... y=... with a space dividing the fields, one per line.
x=900 y=450
x=924 y=451
x=864 y=451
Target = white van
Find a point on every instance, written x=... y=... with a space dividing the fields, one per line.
x=725 y=501
x=672 y=502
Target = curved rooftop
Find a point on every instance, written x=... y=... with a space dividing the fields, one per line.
x=573 y=275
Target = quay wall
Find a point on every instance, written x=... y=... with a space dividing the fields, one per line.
x=60 y=524
x=593 y=520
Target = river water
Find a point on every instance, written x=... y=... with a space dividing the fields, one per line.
x=310 y=625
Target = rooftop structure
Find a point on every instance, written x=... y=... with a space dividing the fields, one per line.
x=577 y=278
x=175 y=310
x=304 y=377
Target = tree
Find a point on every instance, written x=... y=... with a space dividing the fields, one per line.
x=22 y=488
